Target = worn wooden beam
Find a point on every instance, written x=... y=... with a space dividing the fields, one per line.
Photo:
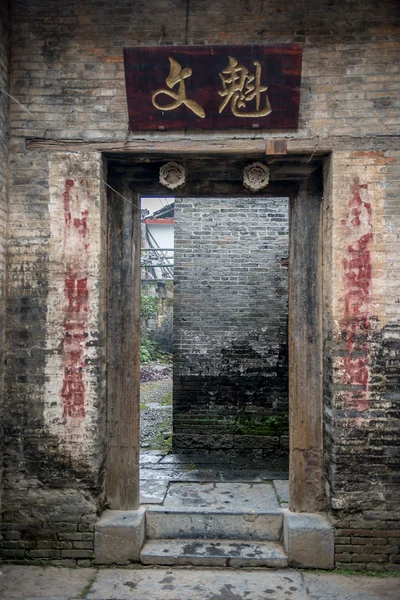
x=123 y=335
x=164 y=145
x=214 y=143
x=305 y=349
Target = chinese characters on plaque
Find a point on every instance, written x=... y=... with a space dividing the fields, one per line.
x=239 y=87
x=213 y=87
x=176 y=76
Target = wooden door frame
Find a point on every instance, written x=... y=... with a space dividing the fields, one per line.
x=305 y=337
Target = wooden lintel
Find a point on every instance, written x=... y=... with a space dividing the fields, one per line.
x=160 y=146
x=213 y=144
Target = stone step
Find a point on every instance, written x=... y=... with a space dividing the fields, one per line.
x=217 y=510
x=213 y=552
x=162 y=523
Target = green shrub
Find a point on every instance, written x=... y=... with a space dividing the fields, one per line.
x=148 y=307
x=145 y=355
x=150 y=350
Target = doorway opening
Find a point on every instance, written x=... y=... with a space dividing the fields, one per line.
x=226 y=417
x=223 y=358
x=156 y=324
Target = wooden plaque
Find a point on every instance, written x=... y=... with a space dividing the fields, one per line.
x=213 y=87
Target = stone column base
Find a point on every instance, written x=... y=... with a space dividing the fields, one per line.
x=309 y=540
x=119 y=537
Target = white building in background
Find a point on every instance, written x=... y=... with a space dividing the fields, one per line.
x=158 y=240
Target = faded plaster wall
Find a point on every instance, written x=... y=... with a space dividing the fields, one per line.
x=67 y=69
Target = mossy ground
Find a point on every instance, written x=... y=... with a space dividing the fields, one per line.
x=156 y=415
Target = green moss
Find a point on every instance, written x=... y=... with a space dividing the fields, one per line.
x=167 y=444
x=268 y=426
x=86 y=589
x=166 y=400
x=354 y=572
x=159 y=441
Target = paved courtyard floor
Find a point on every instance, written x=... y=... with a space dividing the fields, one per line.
x=154 y=583
x=161 y=472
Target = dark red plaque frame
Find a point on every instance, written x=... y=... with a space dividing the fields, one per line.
x=147 y=68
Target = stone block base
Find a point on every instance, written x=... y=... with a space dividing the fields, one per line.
x=308 y=540
x=119 y=537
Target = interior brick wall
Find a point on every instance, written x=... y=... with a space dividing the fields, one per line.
x=230 y=324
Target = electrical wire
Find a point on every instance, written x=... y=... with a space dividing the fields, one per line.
x=66 y=145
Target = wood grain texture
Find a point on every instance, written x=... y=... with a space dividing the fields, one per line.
x=123 y=335
x=214 y=143
x=147 y=69
x=305 y=350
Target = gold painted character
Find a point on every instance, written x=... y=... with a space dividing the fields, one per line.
x=240 y=87
x=177 y=75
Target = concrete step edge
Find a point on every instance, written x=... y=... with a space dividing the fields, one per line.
x=214 y=552
x=214 y=525
x=279 y=512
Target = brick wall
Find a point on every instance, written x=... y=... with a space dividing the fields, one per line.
x=4 y=81
x=362 y=358
x=54 y=448
x=67 y=69
x=68 y=65
x=230 y=324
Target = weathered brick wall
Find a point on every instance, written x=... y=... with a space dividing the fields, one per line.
x=68 y=65
x=362 y=358
x=4 y=80
x=54 y=448
x=67 y=69
x=230 y=324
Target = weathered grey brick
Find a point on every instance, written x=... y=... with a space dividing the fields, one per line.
x=75 y=553
x=230 y=349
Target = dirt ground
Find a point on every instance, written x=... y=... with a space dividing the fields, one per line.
x=156 y=407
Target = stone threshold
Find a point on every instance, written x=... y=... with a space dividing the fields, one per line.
x=216 y=524
x=158 y=470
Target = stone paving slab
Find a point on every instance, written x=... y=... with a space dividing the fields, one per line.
x=351 y=587
x=153 y=492
x=222 y=496
x=199 y=459
x=197 y=584
x=43 y=583
x=232 y=553
x=166 y=523
x=152 y=583
x=154 y=452
x=173 y=473
x=149 y=459
x=282 y=489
